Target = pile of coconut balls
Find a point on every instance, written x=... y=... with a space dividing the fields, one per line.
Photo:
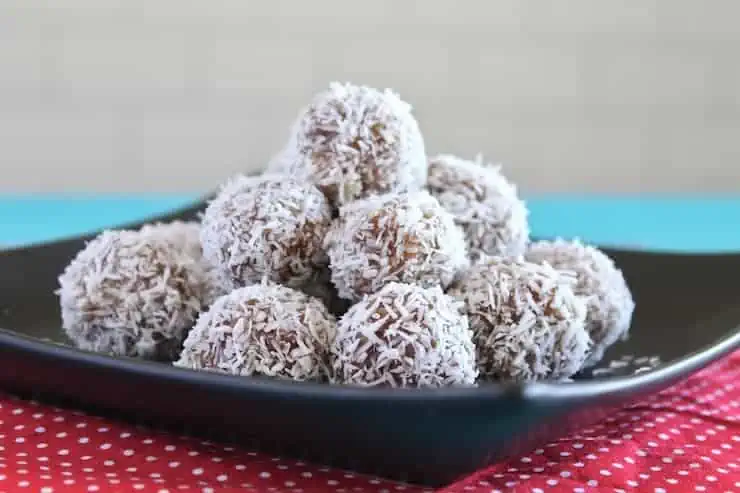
x=354 y=259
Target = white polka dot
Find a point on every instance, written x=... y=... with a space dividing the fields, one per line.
x=683 y=473
x=24 y=484
x=128 y=452
x=69 y=481
x=592 y=483
x=604 y=472
x=659 y=490
x=711 y=479
x=197 y=471
x=552 y=482
x=565 y=474
x=63 y=451
x=332 y=482
x=671 y=481
x=699 y=487
x=222 y=478
x=46 y=489
x=151 y=458
x=525 y=459
x=93 y=487
x=105 y=446
x=138 y=486
x=631 y=483
x=265 y=475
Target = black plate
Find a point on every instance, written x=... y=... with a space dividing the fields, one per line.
x=688 y=313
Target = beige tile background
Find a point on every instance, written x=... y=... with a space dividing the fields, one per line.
x=171 y=95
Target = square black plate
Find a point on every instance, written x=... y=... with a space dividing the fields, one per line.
x=687 y=315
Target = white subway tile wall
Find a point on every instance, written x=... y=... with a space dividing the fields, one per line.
x=177 y=95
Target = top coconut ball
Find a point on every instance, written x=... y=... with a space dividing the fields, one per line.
x=354 y=142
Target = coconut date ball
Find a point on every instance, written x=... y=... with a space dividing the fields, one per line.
x=263 y=329
x=484 y=204
x=355 y=141
x=527 y=323
x=185 y=236
x=404 y=336
x=608 y=298
x=267 y=227
x=406 y=237
x=128 y=293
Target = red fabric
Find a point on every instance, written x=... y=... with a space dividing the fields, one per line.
x=683 y=440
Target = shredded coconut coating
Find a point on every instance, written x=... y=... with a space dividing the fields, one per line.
x=404 y=336
x=484 y=204
x=185 y=236
x=128 y=293
x=262 y=329
x=608 y=298
x=527 y=322
x=355 y=141
x=270 y=226
x=406 y=237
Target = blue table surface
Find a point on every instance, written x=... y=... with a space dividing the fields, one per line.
x=665 y=223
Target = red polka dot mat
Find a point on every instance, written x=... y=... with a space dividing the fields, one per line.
x=685 y=439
